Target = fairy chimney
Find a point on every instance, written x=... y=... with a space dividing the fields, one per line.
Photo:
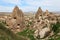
x=18 y=15
x=46 y=13
x=17 y=12
x=39 y=13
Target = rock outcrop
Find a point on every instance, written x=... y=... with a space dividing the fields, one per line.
x=46 y=13
x=39 y=13
x=16 y=19
x=17 y=12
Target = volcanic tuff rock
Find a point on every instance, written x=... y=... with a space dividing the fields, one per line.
x=46 y=13
x=42 y=23
x=17 y=12
x=39 y=22
x=16 y=19
x=38 y=13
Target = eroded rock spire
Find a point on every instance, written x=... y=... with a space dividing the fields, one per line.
x=39 y=13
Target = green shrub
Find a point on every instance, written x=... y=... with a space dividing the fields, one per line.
x=27 y=33
x=56 y=30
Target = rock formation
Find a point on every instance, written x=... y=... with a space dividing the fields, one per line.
x=16 y=19
x=42 y=27
x=18 y=15
x=17 y=12
x=46 y=13
x=39 y=13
